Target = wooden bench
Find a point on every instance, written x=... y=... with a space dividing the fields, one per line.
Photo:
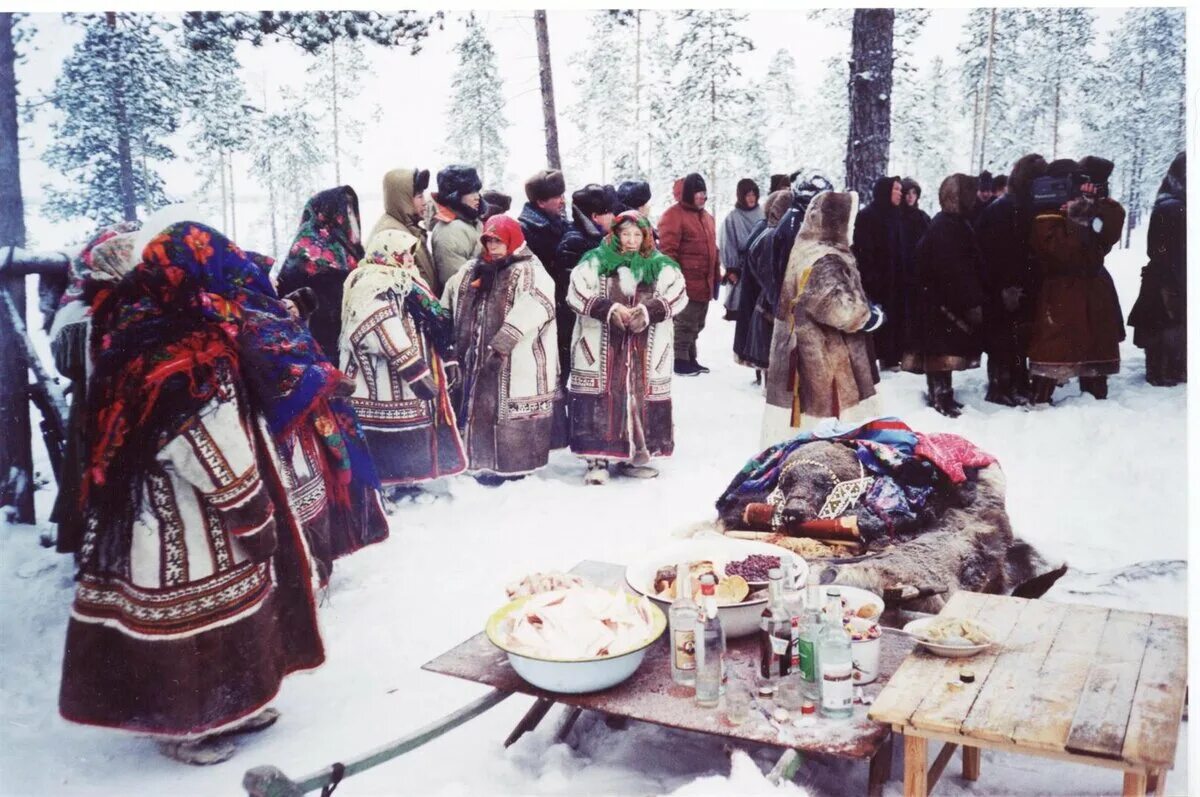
x=1075 y=683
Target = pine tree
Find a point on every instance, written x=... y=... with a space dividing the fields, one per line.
x=309 y=30
x=604 y=111
x=222 y=123
x=475 y=120
x=782 y=107
x=335 y=83
x=1137 y=114
x=286 y=157
x=119 y=95
x=1056 y=72
x=868 y=141
x=923 y=134
x=709 y=100
x=993 y=72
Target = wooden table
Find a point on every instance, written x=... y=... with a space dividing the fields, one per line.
x=651 y=696
x=1075 y=683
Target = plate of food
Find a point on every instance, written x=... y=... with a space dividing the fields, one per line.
x=952 y=637
x=740 y=567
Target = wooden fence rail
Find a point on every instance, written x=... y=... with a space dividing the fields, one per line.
x=18 y=361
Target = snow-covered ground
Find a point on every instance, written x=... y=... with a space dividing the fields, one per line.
x=1099 y=484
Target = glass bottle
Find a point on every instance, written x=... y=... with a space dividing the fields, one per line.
x=808 y=645
x=775 y=633
x=683 y=617
x=710 y=648
x=836 y=665
x=793 y=601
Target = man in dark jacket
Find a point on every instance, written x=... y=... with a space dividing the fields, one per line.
x=1159 y=317
x=688 y=235
x=984 y=194
x=592 y=215
x=884 y=254
x=542 y=219
x=1009 y=283
x=946 y=311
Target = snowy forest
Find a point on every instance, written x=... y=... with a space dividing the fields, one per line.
x=173 y=113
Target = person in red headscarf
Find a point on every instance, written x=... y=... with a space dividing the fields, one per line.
x=509 y=404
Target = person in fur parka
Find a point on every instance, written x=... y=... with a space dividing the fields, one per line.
x=397 y=347
x=944 y=332
x=624 y=294
x=756 y=317
x=509 y=406
x=820 y=360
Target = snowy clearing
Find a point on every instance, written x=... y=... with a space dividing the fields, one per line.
x=1099 y=484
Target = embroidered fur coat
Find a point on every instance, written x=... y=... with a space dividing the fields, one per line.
x=510 y=407
x=620 y=383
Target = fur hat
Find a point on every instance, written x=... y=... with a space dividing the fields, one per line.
x=455 y=182
x=614 y=203
x=1063 y=167
x=999 y=183
x=1027 y=169
x=1098 y=169
x=985 y=181
x=692 y=185
x=420 y=181
x=776 y=204
x=1175 y=182
x=957 y=194
x=305 y=299
x=546 y=184
x=807 y=186
x=591 y=200
x=497 y=203
x=745 y=187
x=779 y=182
x=633 y=194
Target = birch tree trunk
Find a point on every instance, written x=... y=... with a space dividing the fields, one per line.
x=868 y=142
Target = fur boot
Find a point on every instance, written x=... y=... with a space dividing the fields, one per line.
x=941 y=393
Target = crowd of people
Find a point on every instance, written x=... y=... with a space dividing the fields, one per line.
x=236 y=425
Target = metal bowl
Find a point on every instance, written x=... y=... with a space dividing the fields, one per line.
x=575 y=676
x=738 y=619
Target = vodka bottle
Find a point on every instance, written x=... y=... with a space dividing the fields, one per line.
x=775 y=633
x=683 y=617
x=836 y=665
x=808 y=644
x=793 y=600
x=710 y=648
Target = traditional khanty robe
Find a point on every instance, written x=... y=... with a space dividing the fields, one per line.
x=510 y=407
x=620 y=384
x=397 y=341
x=196 y=583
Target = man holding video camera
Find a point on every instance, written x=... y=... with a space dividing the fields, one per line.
x=1078 y=323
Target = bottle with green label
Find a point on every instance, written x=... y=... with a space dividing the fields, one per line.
x=808 y=643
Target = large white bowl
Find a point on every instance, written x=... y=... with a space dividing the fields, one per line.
x=574 y=676
x=738 y=619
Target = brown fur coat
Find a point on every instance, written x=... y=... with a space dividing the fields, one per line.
x=819 y=361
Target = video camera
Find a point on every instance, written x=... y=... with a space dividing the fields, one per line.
x=1051 y=193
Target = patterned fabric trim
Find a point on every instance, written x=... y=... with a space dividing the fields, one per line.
x=173 y=559
x=210 y=455
x=178 y=612
x=530 y=407
x=388 y=415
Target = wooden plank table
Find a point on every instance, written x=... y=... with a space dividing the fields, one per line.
x=1075 y=683
x=651 y=696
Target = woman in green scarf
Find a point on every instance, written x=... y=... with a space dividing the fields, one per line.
x=624 y=294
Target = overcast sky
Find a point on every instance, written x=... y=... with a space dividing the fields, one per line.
x=413 y=91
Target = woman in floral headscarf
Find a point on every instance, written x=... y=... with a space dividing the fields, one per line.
x=327 y=248
x=625 y=293
x=511 y=408
x=196 y=588
x=326 y=466
x=397 y=345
